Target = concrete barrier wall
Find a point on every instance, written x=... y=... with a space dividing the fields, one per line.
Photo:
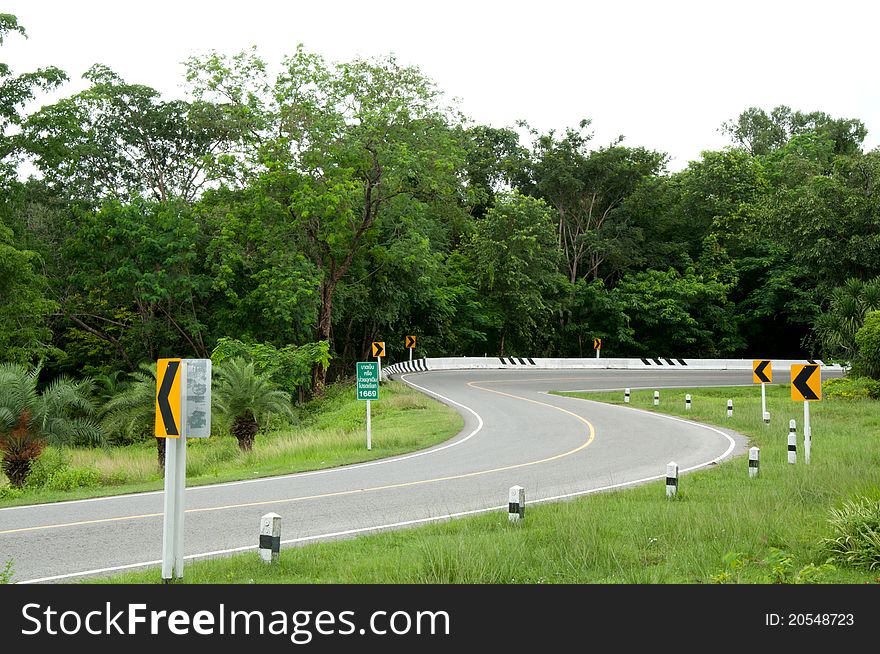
x=648 y=363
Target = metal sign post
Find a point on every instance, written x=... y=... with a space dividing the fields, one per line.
x=379 y=352
x=806 y=386
x=762 y=373
x=183 y=408
x=367 y=383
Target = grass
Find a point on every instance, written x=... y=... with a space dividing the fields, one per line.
x=724 y=527
x=330 y=432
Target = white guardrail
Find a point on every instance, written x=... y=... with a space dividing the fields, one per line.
x=648 y=363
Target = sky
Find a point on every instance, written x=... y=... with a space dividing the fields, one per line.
x=664 y=74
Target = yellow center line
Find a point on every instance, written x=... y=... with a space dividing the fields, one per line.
x=373 y=489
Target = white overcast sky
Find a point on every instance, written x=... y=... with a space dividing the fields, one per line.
x=664 y=74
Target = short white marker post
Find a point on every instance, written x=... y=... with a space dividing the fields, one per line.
x=766 y=417
x=671 y=479
x=270 y=537
x=516 y=504
x=687 y=402
x=729 y=408
x=626 y=396
x=656 y=398
x=754 y=461
x=792 y=441
x=808 y=433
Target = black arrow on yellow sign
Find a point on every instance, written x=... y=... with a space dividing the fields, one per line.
x=410 y=342
x=162 y=398
x=802 y=382
x=760 y=375
x=379 y=349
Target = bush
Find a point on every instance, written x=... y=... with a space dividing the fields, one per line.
x=10 y=493
x=52 y=472
x=868 y=342
x=52 y=461
x=71 y=478
x=856 y=529
x=852 y=388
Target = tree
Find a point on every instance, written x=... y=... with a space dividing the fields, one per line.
x=289 y=367
x=30 y=419
x=24 y=307
x=137 y=279
x=761 y=133
x=15 y=92
x=676 y=315
x=119 y=141
x=514 y=259
x=247 y=399
x=587 y=189
x=337 y=145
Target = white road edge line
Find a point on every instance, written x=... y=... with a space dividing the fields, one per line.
x=440 y=518
x=326 y=471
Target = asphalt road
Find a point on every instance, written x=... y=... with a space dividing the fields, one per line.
x=514 y=433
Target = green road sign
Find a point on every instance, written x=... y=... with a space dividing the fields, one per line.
x=367 y=380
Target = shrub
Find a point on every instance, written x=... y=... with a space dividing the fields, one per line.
x=31 y=419
x=52 y=461
x=71 y=478
x=868 y=342
x=856 y=529
x=852 y=388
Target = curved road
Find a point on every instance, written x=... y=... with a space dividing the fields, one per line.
x=514 y=433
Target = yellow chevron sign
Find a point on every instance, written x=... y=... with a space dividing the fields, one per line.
x=168 y=398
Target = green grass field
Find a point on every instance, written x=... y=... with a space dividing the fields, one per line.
x=330 y=432
x=724 y=527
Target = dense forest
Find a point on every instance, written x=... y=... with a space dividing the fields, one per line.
x=308 y=208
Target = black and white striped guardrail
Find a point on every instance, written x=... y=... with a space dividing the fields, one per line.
x=514 y=361
x=527 y=363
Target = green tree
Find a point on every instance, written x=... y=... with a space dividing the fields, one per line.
x=337 y=145
x=15 y=92
x=31 y=419
x=587 y=189
x=246 y=399
x=676 y=315
x=761 y=133
x=289 y=367
x=514 y=259
x=24 y=307
x=119 y=141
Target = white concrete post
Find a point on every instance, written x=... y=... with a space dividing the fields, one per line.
x=729 y=408
x=626 y=396
x=754 y=461
x=671 y=479
x=808 y=433
x=792 y=441
x=656 y=398
x=270 y=537
x=687 y=402
x=516 y=504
